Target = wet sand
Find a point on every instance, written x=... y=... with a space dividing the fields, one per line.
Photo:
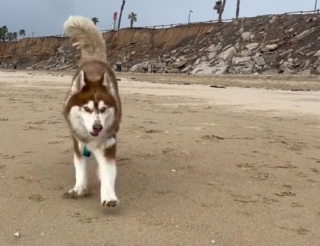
x=196 y=166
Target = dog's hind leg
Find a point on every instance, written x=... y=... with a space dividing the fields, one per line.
x=81 y=172
x=106 y=159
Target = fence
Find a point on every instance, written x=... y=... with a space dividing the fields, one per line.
x=194 y=23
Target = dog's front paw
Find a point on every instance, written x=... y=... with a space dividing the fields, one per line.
x=110 y=204
x=76 y=192
x=109 y=201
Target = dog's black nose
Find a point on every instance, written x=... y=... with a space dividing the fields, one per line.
x=97 y=127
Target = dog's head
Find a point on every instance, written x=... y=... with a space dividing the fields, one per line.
x=91 y=106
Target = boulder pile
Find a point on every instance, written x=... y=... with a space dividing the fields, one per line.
x=275 y=44
x=285 y=44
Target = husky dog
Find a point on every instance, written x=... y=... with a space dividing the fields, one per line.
x=93 y=110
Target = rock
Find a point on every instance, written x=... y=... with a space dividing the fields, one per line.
x=252 y=46
x=197 y=62
x=190 y=57
x=270 y=72
x=212 y=55
x=303 y=34
x=291 y=29
x=245 y=35
x=241 y=60
x=306 y=72
x=60 y=50
x=245 y=53
x=306 y=64
x=228 y=54
x=287 y=52
x=140 y=67
x=203 y=58
x=270 y=57
x=271 y=47
x=317 y=53
x=227 y=47
x=206 y=69
x=283 y=66
x=240 y=70
x=273 y=19
x=179 y=63
x=66 y=67
x=210 y=30
x=220 y=69
x=317 y=62
x=212 y=48
x=173 y=51
x=259 y=60
x=287 y=71
x=174 y=70
x=311 y=53
x=186 y=51
x=187 y=69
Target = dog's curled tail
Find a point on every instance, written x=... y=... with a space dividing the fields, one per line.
x=89 y=39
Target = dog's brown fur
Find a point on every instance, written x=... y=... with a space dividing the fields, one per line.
x=95 y=81
x=94 y=72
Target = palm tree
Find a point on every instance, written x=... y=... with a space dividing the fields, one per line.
x=219 y=7
x=3 y=33
x=15 y=36
x=121 y=10
x=133 y=18
x=22 y=33
x=238 y=9
x=10 y=36
x=95 y=20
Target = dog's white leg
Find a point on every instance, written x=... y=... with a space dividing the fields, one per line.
x=81 y=172
x=107 y=173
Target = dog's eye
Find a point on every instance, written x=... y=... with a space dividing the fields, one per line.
x=103 y=110
x=87 y=109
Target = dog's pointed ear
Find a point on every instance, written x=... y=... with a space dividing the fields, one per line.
x=78 y=82
x=107 y=82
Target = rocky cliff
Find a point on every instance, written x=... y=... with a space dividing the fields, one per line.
x=288 y=44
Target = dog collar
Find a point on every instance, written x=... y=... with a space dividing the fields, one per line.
x=86 y=152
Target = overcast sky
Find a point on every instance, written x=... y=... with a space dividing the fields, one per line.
x=46 y=17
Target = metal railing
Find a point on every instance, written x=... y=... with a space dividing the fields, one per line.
x=192 y=23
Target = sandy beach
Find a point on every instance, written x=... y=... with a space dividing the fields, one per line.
x=197 y=165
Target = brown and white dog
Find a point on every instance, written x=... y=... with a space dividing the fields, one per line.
x=93 y=110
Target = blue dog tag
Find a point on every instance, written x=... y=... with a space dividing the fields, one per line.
x=86 y=152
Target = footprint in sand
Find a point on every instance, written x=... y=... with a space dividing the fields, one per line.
x=285 y=193
x=296 y=205
x=261 y=176
x=55 y=142
x=26 y=128
x=36 y=198
x=211 y=137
